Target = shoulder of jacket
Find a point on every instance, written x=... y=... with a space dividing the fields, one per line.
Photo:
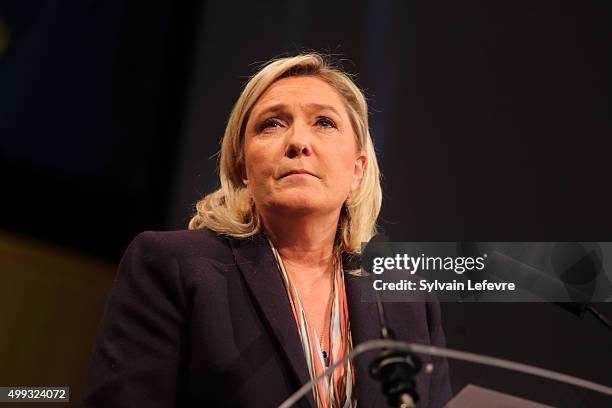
x=183 y=244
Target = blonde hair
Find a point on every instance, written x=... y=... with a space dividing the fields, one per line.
x=231 y=211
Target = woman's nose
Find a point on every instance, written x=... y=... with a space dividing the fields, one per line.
x=297 y=149
x=297 y=144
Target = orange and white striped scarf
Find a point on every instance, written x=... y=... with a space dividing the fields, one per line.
x=335 y=390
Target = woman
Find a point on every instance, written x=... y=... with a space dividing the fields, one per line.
x=256 y=297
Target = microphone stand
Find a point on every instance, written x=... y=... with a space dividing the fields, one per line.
x=395 y=369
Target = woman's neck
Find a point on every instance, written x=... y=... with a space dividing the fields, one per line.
x=304 y=241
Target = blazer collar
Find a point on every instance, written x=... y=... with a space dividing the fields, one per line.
x=255 y=260
x=364 y=326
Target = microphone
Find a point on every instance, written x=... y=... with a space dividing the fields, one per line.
x=395 y=369
x=576 y=266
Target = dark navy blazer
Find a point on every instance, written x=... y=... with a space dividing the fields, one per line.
x=200 y=319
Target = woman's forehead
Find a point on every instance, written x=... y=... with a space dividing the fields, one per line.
x=309 y=91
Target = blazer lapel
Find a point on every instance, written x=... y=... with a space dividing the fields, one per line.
x=364 y=326
x=255 y=260
x=406 y=320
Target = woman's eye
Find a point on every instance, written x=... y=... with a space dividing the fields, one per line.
x=269 y=123
x=326 y=123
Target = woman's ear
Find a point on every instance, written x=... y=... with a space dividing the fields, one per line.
x=359 y=170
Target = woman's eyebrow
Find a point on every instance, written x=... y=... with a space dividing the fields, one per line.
x=319 y=107
x=281 y=107
x=277 y=107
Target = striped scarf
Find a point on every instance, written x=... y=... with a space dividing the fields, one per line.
x=335 y=390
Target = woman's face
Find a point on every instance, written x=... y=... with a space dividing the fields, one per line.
x=300 y=152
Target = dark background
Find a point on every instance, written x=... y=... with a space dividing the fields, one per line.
x=491 y=120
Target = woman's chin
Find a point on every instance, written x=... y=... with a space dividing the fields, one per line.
x=298 y=205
